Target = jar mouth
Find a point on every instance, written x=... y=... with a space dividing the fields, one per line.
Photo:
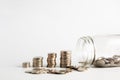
x=86 y=49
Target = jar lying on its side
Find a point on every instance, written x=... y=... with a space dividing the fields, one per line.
x=90 y=48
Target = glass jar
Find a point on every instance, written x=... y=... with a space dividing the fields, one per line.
x=89 y=48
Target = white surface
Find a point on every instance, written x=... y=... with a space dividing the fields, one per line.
x=91 y=74
x=31 y=28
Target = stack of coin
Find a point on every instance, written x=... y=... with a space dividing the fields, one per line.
x=38 y=61
x=65 y=59
x=26 y=64
x=51 y=60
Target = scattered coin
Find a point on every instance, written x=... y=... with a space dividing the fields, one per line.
x=79 y=68
x=54 y=71
x=37 y=71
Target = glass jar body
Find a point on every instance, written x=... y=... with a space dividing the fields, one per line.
x=89 y=48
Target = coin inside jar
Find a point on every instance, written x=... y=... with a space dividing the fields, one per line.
x=108 y=62
x=99 y=63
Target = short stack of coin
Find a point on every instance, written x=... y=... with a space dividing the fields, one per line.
x=26 y=64
x=51 y=60
x=38 y=61
x=65 y=59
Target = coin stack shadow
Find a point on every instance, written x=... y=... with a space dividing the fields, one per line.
x=51 y=60
x=65 y=59
x=38 y=61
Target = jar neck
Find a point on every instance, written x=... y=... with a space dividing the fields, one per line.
x=86 y=49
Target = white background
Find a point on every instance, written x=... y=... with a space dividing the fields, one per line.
x=31 y=28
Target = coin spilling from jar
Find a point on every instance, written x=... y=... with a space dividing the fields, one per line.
x=108 y=62
x=65 y=64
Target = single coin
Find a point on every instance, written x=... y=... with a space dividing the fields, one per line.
x=35 y=72
x=99 y=63
x=58 y=72
x=81 y=69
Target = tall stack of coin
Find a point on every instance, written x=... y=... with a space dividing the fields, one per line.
x=51 y=60
x=38 y=61
x=65 y=59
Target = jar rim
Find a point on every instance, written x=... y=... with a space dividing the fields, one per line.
x=85 y=46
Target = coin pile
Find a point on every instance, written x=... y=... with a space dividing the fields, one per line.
x=51 y=60
x=108 y=62
x=38 y=61
x=65 y=59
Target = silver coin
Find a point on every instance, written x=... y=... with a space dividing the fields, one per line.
x=99 y=63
